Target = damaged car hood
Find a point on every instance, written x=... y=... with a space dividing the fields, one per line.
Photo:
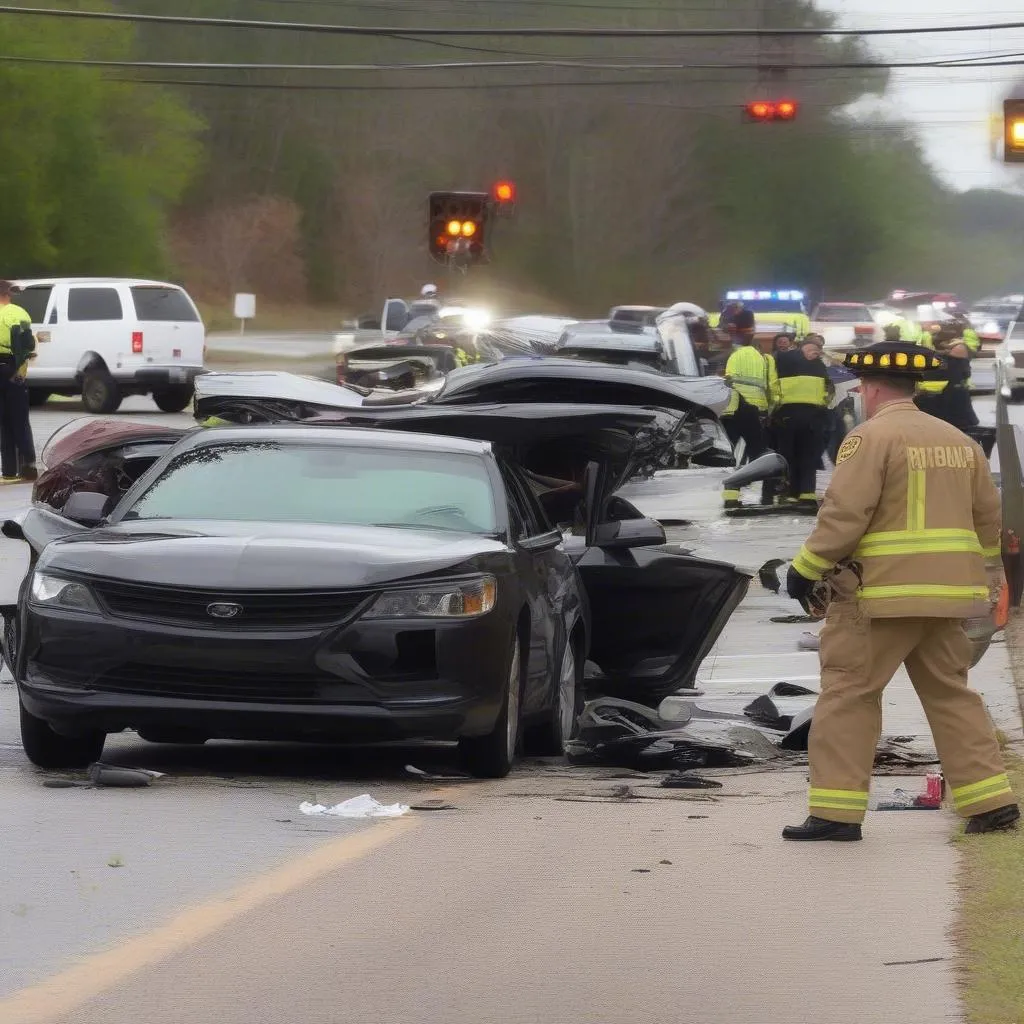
x=239 y=556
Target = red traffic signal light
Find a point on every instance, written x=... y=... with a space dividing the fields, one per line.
x=771 y=110
x=505 y=192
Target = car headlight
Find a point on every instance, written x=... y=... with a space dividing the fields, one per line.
x=455 y=599
x=54 y=592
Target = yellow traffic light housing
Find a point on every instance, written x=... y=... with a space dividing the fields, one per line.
x=1013 y=131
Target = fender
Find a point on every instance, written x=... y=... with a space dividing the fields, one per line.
x=90 y=361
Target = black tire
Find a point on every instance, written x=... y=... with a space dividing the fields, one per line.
x=9 y=644
x=561 y=722
x=100 y=393
x=175 y=398
x=492 y=756
x=37 y=397
x=48 y=749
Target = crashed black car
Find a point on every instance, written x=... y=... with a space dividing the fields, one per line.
x=326 y=583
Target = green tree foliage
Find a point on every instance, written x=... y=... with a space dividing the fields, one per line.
x=639 y=185
x=90 y=166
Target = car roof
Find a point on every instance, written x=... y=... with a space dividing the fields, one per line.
x=36 y=281
x=341 y=435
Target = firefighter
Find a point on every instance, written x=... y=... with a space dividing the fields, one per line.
x=800 y=418
x=749 y=374
x=907 y=542
x=946 y=393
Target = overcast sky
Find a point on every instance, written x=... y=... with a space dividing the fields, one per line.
x=952 y=109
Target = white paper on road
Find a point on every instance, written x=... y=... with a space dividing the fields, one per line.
x=15 y=556
x=358 y=807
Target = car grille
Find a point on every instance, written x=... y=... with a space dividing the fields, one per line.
x=208 y=684
x=260 y=609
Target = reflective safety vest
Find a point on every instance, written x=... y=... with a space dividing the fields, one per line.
x=748 y=373
x=10 y=316
x=971 y=339
x=912 y=503
x=801 y=381
x=911 y=332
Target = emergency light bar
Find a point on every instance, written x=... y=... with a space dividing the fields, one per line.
x=749 y=295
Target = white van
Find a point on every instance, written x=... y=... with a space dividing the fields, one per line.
x=104 y=338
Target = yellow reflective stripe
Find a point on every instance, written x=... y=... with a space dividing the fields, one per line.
x=810 y=565
x=915 y=499
x=728 y=495
x=802 y=390
x=882 y=536
x=924 y=590
x=994 y=552
x=912 y=542
x=858 y=796
x=998 y=785
x=935 y=387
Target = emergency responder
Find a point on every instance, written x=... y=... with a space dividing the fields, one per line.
x=17 y=345
x=748 y=373
x=946 y=393
x=907 y=544
x=800 y=418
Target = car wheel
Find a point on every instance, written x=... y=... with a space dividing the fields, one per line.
x=100 y=393
x=491 y=756
x=548 y=738
x=9 y=643
x=37 y=397
x=48 y=749
x=175 y=398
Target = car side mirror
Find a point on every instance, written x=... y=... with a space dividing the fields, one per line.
x=542 y=542
x=85 y=508
x=629 y=533
x=767 y=466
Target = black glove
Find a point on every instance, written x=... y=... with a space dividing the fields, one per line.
x=800 y=588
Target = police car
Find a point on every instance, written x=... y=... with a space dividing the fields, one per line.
x=776 y=311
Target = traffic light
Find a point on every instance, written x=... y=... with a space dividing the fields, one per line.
x=458 y=226
x=504 y=196
x=1013 y=131
x=763 y=111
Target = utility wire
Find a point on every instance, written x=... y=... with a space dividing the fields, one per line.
x=538 y=32
x=585 y=65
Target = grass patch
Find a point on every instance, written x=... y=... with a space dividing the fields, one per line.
x=991 y=931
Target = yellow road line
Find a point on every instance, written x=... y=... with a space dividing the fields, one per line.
x=99 y=972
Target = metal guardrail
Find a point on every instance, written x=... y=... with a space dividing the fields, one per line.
x=1010 y=445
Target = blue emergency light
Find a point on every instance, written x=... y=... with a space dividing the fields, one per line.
x=752 y=295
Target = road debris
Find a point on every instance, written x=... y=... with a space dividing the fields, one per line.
x=687 y=780
x=419 y=773
x=358 y=807
x=108 y=776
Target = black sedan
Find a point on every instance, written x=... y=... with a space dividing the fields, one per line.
x=327 y=583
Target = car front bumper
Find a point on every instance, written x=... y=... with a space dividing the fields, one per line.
x=365 y=681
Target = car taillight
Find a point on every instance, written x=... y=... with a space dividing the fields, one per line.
x=136 y=342
x=863 y=329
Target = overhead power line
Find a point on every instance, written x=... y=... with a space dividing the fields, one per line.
x=534 y=31
x=512 y=65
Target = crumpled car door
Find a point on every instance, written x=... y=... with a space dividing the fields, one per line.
x=655 y=615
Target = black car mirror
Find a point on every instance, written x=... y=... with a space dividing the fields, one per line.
x=85 y=508
x=629 y=533
x=542 y=542
x=769 y=465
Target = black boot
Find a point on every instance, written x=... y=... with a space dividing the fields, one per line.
x=817 y=830
x=1002 y=819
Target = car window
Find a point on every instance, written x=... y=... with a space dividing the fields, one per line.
x=94 y=304
x=842 y=314
x=527 y=509
x=34 y=301
x=613 y=357
x=261 y=481
x=162 y=305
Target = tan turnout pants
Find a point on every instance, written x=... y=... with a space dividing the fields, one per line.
x=859 y=656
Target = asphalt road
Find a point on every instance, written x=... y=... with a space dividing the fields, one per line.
x=541 y=898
